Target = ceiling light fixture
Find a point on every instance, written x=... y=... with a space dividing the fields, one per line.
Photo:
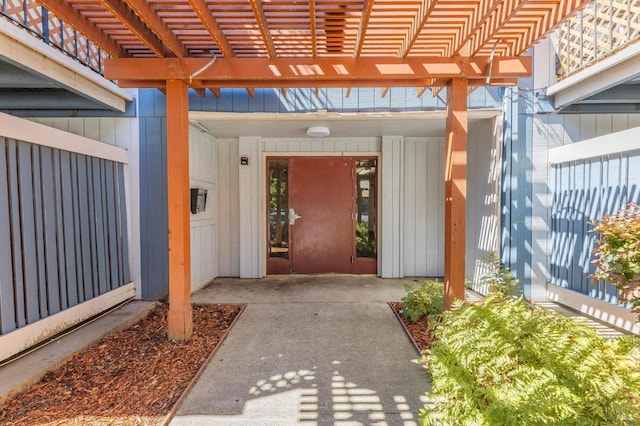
x=318 y=132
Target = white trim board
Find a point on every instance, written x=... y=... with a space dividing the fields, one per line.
x=20 y=48
x=25 y=337
x=620 y=67
x=613 y=143
x=28 y=131
x=603 y=311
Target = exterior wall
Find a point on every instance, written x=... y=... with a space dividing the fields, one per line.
x=228 y=204
x=423 y=207
x=204 y=225
x=483 y=197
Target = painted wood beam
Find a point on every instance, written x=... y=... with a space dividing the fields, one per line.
x=277 y=72
x=205 y=15
x=476 y=20
x=122 y=12
x=362 y=28
x=180 y=321
x=419 y=21
x=145 y=12
x=261 y=20
x=81 y=23
x=314 y=30
x=455 y=191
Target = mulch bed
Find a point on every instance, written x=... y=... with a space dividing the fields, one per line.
x=418 y=332
x=131 y=377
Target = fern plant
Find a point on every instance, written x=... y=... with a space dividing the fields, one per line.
x=426 y=299
x=504 y=363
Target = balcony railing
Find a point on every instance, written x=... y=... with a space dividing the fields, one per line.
x=601 y=29
x=52 y=30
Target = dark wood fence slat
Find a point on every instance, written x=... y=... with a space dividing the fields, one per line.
x=84 y=233
x=39 y=218
x=68 y=230
x=7 y=308
x=16 y=230
x=27 y=218
x=111 y=206
x=98 y=198
x=76 y=213
x=50 y=223
x=62 y=263
x=123 y=234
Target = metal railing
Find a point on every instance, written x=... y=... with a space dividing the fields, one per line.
x=45 y=25
x=601 y=29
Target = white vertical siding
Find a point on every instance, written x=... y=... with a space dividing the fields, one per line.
x=204 y=232
x=228 y=204
x=390 y=261
x=483 y=201
x=423 y=208
x=251 y=193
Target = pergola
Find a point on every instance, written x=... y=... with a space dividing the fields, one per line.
x=174 y=45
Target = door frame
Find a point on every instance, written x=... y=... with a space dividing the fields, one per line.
x=266 y=156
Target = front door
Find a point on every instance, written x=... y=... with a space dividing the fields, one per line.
x=322 y=215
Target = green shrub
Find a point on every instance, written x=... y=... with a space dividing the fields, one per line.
x=504 y=363
x=498 y=278
x=426 y=299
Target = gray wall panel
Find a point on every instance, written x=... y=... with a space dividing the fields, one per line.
x=14 y=203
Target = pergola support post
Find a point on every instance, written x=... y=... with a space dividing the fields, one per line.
x=455 y=191
x=180 y=322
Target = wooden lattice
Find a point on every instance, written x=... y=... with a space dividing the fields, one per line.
x=29 y=15
x=598 y=31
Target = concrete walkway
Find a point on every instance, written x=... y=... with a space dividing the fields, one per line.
x=309 y=350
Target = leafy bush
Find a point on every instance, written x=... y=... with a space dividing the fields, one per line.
x=504 y=363
x=498 y=278
x=617 y=253
x=426 y=299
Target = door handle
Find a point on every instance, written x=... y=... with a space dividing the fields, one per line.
x=293 y=216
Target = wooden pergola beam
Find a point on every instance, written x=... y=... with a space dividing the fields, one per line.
x=180 y=313
x=207 y=19
x=279 y=72
x=362 y=28
x=157 y=25
x=120 y=10
x=81 y=23
x=314 y=30
x=455 y=191
x=418 y=23
x=261 y=20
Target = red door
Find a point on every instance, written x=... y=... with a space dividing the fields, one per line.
x=321 y=193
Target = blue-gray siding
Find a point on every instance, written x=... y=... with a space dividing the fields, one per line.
x=63 y=234
x=586 y=190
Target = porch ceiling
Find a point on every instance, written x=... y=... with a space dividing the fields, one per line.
x=300 y=36
x=415 y=124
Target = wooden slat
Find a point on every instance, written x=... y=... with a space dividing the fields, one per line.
x=7 y=308
x=207 y=18
x=111 y=224
x=261 y=20
x=455 y=191
x=50 y=208
x=28 y=232
x=16 y=230
x=39 y=229
x=99 y=236
x=66 y=181
x=144 y=11
x=362 y=28
x=85 y=230
x=123 y=234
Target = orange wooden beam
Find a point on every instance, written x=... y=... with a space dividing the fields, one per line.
x=455 y=191
x=278 y=72
x=145 y=12
x=120 y=10
x=209 y=22
x=419 y=21
x=81 y=23
x=180 y=314
x=362 y=28
x=261 y=20
x=312 y=24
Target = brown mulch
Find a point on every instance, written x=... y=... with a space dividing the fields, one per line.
x=131 y=377
x=419 y=332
